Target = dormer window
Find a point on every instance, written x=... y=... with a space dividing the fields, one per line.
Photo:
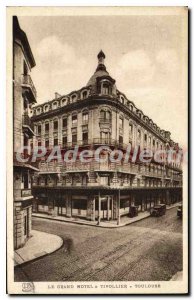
x=84 y=95
x=105 y=89
x=73 y=98
x=46 y=108
x=55 y=105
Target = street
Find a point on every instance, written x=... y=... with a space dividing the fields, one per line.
x=147 y=250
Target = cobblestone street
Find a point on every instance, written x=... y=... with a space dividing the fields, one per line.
x=148 y=250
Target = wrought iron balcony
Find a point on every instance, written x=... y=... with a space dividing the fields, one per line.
x=29 y=88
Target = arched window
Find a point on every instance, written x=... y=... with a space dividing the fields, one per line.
x=105 y=115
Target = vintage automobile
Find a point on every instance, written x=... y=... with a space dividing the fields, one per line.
x=133 y=212
x=180 y=211
x=158 y=210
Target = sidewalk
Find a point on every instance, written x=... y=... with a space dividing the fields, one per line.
x=40 y=244
x=124 y=220
x=177 y=277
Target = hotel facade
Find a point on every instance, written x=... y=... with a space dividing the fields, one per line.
x=99 y=115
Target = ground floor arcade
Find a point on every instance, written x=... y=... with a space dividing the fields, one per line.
x=101 y=204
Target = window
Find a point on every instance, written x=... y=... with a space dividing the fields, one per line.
x=25 y=68
x=145 y=137
x=25 y=180
x=39 y=129
x=39 y=143
x=104 y=137
x=55 y=125
x=55 y=104
x=85 y=137
x=64 y=141
x=64 y=122
x=120 y=122
x=130 y=128
x=105 y=115
x=149 y=140
x=105 y=89
x=46 y=127
x=85 y=117
x=55 y=142
x=153 y=142
x=139 y=133
x=73 y=98
x=122 y=100
x=120 y=139
x=74 y=138
x=84 y=94
x=74 y=120
x=47 y=143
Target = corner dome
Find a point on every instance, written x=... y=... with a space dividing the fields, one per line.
x=100 y=70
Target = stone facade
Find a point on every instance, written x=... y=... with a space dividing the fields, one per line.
x=100 y=115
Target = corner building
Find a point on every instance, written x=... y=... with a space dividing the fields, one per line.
x=100 y=115
x=24 y=96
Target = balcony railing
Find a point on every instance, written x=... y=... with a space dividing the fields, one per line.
x=27 y=82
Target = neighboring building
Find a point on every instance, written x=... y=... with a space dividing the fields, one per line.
x=99 y=114
x=24 y=95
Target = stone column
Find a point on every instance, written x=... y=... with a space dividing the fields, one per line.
x=69 y=206
x=118 y=205
x=99 y=209
x=108 y=207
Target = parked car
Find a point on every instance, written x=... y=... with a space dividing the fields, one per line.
x=133 y=212
x=180 y=211
x=158 y=210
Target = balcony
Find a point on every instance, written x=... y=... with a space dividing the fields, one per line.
x=27 y=125
x=26 y=193
x=29 y=88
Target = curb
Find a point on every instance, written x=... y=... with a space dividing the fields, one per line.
x=93 y=225
x=98 y=226
x=39 y=257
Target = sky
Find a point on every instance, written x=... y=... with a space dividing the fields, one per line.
x=144 y=54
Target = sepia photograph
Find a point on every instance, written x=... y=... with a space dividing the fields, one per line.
x=97 y=163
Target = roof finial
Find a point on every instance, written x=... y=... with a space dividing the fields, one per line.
x=101 y=56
